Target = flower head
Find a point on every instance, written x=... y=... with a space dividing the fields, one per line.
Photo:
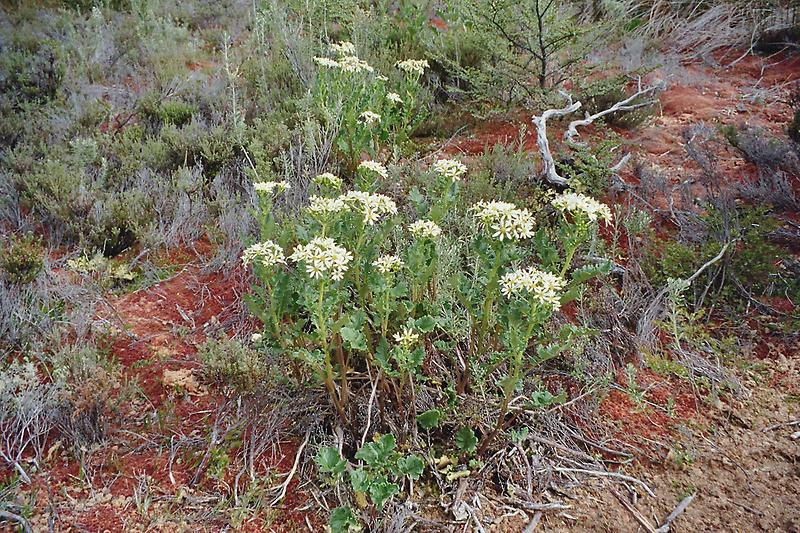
x=504 y=220
x=425 y=229
x=394 y=98
x=374 y=167
x=325 y=207
x=352 y=63
x=327 y=62
x=371 y=206
x=449 y=169
x=413 y=66
x=344 y=48
x=322 y=257
x=255 y=338
x=369 y=118
x=328 y=180
x=406 y=338
x=545 y=287
x=387 y=264
x=270 y=187
x=579 y=203
x=266 y=253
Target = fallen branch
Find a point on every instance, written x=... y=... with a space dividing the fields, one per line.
x=7 y=516
x=634 y=512
x=285 y=485
x=549 y=170
x=674 y=514
x=603 y=473
x=623 y=105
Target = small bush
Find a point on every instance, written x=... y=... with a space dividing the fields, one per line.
x=232 y=365
x=22 y=259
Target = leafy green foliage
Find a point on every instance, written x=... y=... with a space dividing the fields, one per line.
x=466 y=440
x=21 y=259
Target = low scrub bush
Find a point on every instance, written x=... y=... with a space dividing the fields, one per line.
x=21 y=259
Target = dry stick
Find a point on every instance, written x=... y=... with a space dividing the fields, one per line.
x=533 y=523
x=634 y=512
x=549 y=170
x=623 y=105
x=6 y=516
x=369 y=407
x=651 y=309
x=285 y=485
x=603 y=473
x=674 y=514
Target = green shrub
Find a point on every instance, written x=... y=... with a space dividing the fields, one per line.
x=232 y=365
x=22 y=259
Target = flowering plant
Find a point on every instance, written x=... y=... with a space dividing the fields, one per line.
x=356 y=100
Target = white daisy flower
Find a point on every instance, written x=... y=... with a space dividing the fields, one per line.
x=270 y=187
x=425 y=229
x=374 y=166
x=387 y=264
x=322 y=256
x=266 y=253
x=449 y=169
x=504 y=220
x=578 y=203
x=413 y=66
x=394 y=98
x=406 y=338
x=545 y=287
x=369 y=118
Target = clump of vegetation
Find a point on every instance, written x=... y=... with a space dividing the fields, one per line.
x=22 y=259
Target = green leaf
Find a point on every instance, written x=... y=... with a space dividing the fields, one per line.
x=411 y=466
x=381 y=491
x=425 y=324
x=330 y=461
x=359 y=480
x=353 y=338
x=519 y=435
x=343 y=520
x=587 y=272
x=379 y=452
x=466 y=439
x=429 y=419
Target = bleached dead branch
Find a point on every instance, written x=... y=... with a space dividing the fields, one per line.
x=549 y=171
x=623 y=105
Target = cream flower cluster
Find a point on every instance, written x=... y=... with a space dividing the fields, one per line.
x=354 y=64
x=394 y=98
x=505 y=220
x=374 y=166
x=449 y=169
x=267 y=253
x=269 y=187
x=386 y=264
x=329 y=180
x=413 y=66
x=406 y=338
x=323 y=256
x=545 y=287
x=369 y=118
x=426 y=229
x=344 y=48
x=326 y=62
x=579 y=203
x=348 y=63
x=319 y=205
x=371 y=206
